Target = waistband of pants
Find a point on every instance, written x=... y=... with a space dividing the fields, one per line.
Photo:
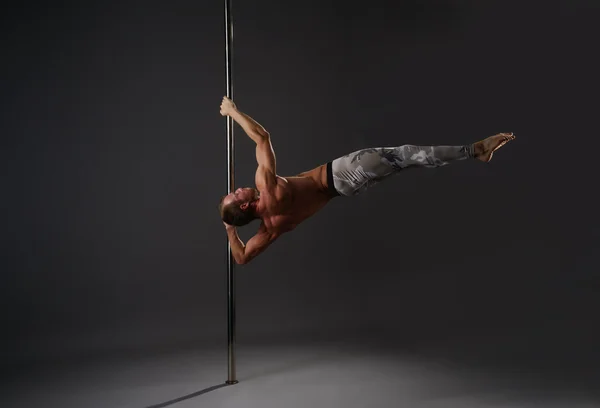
x=330 y=186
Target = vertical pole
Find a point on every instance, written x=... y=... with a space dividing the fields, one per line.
x=231 y=375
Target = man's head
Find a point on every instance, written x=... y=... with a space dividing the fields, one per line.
x=238 y=208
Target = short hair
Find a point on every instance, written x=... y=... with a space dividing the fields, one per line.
x=232 y=214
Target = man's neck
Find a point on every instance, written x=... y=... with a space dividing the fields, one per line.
x=257 y=208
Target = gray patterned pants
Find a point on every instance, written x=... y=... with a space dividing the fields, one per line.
x=357 y=171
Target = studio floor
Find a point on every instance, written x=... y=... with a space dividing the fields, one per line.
x=336 y=373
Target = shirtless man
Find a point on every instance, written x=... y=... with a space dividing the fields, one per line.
x=281 y=203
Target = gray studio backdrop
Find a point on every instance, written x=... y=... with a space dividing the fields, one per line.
x=113 y=158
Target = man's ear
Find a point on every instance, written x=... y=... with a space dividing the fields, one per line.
x=244 y=206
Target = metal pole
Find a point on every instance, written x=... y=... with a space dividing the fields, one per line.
x=231 y=377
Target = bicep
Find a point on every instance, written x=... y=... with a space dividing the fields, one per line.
x=257 y=244
x=265 y=157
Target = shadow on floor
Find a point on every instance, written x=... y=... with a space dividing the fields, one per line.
x=189 y=396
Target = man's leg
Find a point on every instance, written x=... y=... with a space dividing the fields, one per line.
x=357 y=171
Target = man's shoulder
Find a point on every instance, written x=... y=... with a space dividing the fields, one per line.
x=273 y=192
x=265 y=178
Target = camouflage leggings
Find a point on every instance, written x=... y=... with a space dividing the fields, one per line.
x=355 y=172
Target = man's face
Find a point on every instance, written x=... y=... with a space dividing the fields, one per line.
x=243 y=195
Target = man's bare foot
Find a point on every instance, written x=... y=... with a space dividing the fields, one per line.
x=484 y=149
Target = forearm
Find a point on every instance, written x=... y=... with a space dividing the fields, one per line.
x=252 y=128
x=238 y=248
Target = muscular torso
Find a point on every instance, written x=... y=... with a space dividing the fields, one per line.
x=294 y=199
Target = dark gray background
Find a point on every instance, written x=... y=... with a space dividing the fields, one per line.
x=113 y=161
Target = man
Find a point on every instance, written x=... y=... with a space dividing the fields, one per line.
x=281 y=203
